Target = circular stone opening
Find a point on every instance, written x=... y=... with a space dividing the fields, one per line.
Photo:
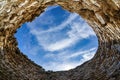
x=57 y=39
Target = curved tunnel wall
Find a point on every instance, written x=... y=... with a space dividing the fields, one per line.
x=102 y=15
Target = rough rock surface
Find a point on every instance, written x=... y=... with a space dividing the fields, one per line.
x=102 y=15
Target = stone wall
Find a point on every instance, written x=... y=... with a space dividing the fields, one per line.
x=102 y=15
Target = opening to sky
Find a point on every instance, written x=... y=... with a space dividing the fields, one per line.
x=57 y=39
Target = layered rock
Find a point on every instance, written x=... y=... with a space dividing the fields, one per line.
x=102 y=15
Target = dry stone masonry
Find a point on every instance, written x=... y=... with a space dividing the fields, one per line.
x=102 y=15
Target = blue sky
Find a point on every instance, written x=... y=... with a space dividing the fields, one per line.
x=57 y=39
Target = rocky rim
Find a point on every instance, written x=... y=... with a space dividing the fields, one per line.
x=102 y=15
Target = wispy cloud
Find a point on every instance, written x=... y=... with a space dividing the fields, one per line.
x=53 y=40
x=44 y=40
x=63 y=60
x=78 y=31
x=56 y=66
x=54 y=29
x=80 y=52
x=60 y=44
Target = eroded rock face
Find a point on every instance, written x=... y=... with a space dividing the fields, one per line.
x=102 y=15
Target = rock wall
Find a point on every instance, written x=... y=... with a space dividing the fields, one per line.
x=102 y=15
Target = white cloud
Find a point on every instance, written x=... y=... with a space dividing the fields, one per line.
x=78 y=31
x=69 y=56
x=56 y=66
x=51 y=40
x=60 y=44
x=63 y=60
x=43 y=37
x=54 y=29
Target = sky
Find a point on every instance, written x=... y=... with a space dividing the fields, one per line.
x=57 y=40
